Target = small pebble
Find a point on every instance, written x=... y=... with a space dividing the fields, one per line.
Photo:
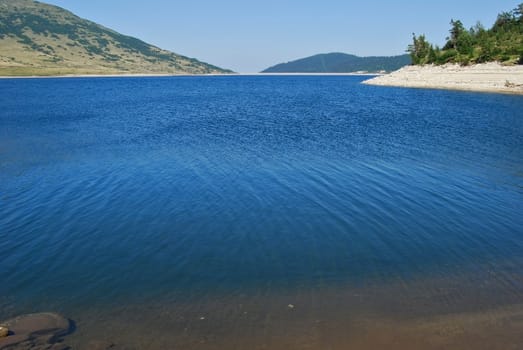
x=4 y=331
x=290 y=306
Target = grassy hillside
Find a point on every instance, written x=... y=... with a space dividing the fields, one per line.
x=41 y=39
x=503 y=43
x=340 y=63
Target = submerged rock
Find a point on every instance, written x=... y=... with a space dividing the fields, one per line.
x=4 y=331
x=36 y=331
x=100 y=345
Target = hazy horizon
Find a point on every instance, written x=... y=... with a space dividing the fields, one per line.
x=254 y=36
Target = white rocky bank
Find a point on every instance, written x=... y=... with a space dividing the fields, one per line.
x=488 y=77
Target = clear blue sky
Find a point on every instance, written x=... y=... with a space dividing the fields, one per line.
x=248 y=36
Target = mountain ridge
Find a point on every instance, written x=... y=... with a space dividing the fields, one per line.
x=41 y=39
x=339 y=62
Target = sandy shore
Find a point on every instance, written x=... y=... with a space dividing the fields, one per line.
x=488 y=77
x=445 y=313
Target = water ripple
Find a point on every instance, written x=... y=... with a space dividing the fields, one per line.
x=126 y=187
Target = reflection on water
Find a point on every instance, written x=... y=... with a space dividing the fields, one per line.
x=197 y=209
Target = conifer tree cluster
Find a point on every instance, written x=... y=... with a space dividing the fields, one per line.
x=503 y=42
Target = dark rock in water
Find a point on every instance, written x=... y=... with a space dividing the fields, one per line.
x=36 y=332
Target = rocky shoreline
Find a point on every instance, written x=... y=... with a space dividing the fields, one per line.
x=35 y=331
x=487 y=77
x=42 y=331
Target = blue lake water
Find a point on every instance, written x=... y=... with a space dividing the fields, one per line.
x=127 y=190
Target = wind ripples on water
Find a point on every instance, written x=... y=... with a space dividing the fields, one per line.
x=128 y=188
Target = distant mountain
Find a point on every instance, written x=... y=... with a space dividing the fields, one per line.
x=341 y=63
x=41 y=39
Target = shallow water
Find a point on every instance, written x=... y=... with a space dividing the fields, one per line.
x=173 y=199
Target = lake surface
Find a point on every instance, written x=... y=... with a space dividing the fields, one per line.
x=292 y=212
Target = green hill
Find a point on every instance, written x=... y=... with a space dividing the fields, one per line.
x=41 y=39
x=503 y=43
x=341 y=63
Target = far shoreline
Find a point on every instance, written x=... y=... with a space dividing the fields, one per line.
x=160 y=75
x=487 y=77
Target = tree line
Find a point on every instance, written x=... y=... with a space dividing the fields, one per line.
x=503 y=42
